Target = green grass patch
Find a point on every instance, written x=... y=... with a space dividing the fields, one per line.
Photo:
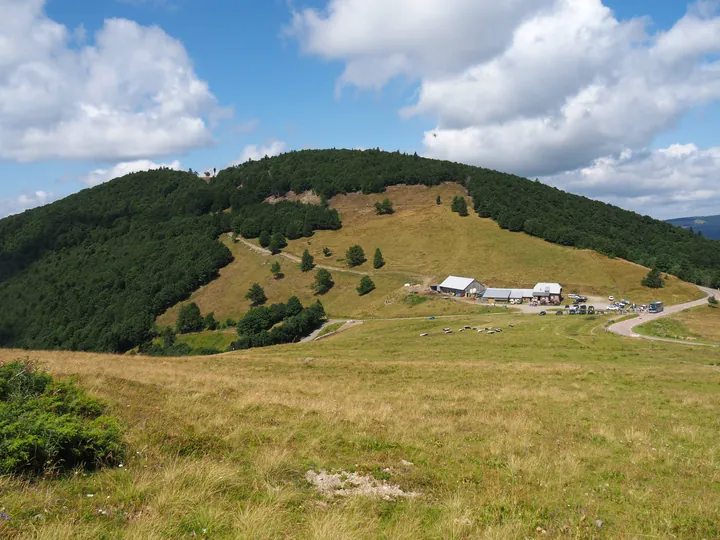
x=334 y=327
x=667 y=328
x=219 y=340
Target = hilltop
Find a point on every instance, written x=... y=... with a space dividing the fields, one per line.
x=709 y=226
x=94 y=271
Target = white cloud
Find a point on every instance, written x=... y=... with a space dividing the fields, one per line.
x=533 y=88
x=130 y=94
x=671 y=182
x=255 y=152
x=26 y=201
x=100 y=176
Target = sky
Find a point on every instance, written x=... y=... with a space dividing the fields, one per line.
x=617 y=100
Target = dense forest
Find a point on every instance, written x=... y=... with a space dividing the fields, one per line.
x=92 y=271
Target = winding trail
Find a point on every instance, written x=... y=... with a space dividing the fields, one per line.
x=625 y=328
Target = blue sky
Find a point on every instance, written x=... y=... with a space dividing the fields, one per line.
x=273 y=86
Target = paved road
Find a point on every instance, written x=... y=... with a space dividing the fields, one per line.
x=625 y=328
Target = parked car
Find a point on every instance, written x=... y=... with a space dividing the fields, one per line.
x=567 y=306
x=613 y=308
x=591 y=310
x=559 y=312
x=543 y=313
x=583 y=310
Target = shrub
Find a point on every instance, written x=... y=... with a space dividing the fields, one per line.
x=713 y=302
x=438 y=200
x=51 y=426
x=210 y=323
x=459 y=205
x=327 y=252
x=366 y=286
x=355 y=256
x=276 y=270
x=384 y=208
x=189 y=319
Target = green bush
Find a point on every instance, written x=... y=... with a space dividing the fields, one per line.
x=49 y=426
x=366 y=286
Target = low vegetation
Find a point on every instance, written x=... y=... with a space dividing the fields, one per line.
x=49 y=426
x=700 y=324
x=552 y=425
x=366 y=286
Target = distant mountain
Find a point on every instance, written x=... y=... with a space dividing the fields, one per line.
x=708 y=225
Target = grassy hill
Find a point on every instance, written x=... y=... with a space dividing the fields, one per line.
x=709 y=226
x=553 y=425
x=698 y=324
x=422 y=242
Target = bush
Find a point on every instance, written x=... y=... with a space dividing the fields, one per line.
x=276 y=270
x=277 y=242
x=653 y=279
x=713 y=302
x=384 y=208
x=189 y=319
x=366 y=286
x=327 y=252
x=210 y=323
x=438 y=200
x=355 y=256
x=459 y=205
x=51 y=426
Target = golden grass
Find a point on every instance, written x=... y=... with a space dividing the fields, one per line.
x=547 y=425
x=427 y=239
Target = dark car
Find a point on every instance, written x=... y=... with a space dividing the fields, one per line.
x=591 y=310
x=583 y=310
x=559 y=312
x=543 y=313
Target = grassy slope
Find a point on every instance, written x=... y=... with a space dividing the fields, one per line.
x=702 y=323
x=551 y=424
x=423 y=240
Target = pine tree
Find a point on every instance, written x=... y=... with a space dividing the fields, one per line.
x=355 y=256
x=378 y=261
x=308 y=262
x=256 y=295
x=384 y=208
x=438 y=200
x=366 y=286
x=210 y=323
x=323 y=281
x=276 y=270
x=653 y=279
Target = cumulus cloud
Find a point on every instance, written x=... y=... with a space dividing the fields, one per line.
x=671 y=182
x=256 y=152
x=26 y=201
x=536 y=89
x=100 y=176
x=130 y=94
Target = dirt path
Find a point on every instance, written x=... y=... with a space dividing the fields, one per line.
x=625 y=328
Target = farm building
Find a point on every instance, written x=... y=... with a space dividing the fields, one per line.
x=461 y=286
x=526 y=295
x=497 y=295
x=549 y=292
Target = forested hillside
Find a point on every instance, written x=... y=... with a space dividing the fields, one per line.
x=515 y=203
x=91 y=272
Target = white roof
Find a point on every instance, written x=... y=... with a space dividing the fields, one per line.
x=521 y=293
x=497 y=293
x=457 y=283
x=552 y=288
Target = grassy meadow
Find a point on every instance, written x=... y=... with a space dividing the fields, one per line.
x=551 y=428
x=696 y=324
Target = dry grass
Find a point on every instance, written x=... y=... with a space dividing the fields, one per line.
x=700 y=324
x=545 y=426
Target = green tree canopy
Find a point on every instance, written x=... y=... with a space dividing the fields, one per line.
x=653 y=279
x=384 y=208
x=276 y=270
x=264 y=239
x=378 y=261
x=323 y=281
x=277 y=243
x=308 y=261
x=256 y=295
x=189 y=319
x=366 y=286
x=459 y=205
x=210 y=323
x=355 y=256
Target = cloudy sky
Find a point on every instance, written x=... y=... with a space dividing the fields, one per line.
x=615 y=99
